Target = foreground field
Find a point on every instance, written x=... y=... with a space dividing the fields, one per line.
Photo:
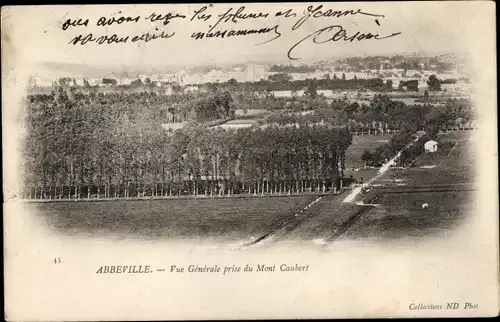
x=448 y=179
x=443 y=180
x=400 y=215
x=325 y=220
x=225 y=219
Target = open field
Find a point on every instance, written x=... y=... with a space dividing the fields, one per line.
x=453 y=163
x=354 y=164
x=244 y=119
x=443 y=180
x=323 y=221
x=224 y=219
x=452 y=146
x=251 y=112
x=400 y=215
x=361 y=175
x=446 y=188
x=361 y=143
x=239 y=124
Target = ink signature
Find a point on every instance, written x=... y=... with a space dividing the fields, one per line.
x=336 y=33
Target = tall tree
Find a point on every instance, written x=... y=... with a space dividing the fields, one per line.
x=433 y=83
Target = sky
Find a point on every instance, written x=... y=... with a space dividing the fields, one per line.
x=36 y=33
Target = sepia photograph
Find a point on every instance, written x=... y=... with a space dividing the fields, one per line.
x=300 y=153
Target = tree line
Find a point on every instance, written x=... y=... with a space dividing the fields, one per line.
x=380 y=114
x=456 y=113
x=84 y=147
x=283 y=82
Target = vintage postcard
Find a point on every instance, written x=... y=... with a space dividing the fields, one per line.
x=250 y=161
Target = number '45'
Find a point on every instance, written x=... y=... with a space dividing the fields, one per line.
x=57 y=260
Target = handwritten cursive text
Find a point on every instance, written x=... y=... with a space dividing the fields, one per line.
x=115 y=39
x=316 y=12
x=227 y=33
x=336 y=33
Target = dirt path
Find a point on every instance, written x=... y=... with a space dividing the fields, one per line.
x=327 y=217
x=316 y=223
x=291 y=221
x=383 y=169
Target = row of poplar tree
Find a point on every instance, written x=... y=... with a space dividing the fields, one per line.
x=90 y=147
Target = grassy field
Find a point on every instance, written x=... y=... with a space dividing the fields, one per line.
x=451 y=146
x=251 y=112
x=221 y=219
x=400 y=215
x=248 y=119
x=323 y=221
x=354 y=164
x=240 y=121
x=452 y=163
x=361 y=143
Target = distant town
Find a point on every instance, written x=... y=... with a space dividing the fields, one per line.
x=400 y=74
